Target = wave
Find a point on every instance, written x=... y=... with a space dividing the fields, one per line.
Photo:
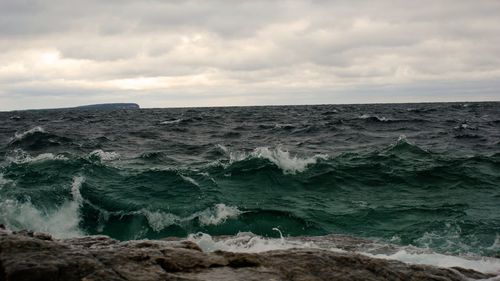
x=32 y=131
x=383 y=119
x=141 y=201
x=103 y=155
x=190 y=180
x=281 y=158
x=404 y=147
x=469 y=136
x=169 y=122
x=374 y=118
x=285 y=126
x=37 y=138
x=215 y=215
x=19 y=156
x=62 y=222
x=464 y=126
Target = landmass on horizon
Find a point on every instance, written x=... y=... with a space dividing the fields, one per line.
x=99 y=106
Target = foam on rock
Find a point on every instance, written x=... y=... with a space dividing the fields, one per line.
x=26 y=255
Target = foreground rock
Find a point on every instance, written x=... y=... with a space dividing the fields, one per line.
x=35 y=256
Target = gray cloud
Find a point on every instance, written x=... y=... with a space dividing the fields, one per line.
x=239 y=52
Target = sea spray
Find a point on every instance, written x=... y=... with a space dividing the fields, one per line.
x=61 y=222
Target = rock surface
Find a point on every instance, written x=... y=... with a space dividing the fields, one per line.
x=26 y=255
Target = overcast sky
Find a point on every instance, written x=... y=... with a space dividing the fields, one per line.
x=58 y=53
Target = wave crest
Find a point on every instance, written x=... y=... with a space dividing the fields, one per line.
x=32 y=131
x=103 y=155
x=215 y=215
x=62 y=222
x=168 y=122
x=374 y=118
x=19 y=156
x=281 y=158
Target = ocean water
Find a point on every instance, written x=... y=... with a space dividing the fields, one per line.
x=414 y=175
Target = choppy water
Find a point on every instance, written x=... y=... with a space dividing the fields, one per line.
x=426 y=175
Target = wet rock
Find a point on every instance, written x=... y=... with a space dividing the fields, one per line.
x=26 y=255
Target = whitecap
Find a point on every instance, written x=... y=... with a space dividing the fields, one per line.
x=222 y=148
x=158 y=220
x=103 y=155
x=75 y=189
x=287 y=163
x=19 y=156
x=22 y=135
x=217 y=214
x=62 y=222
x=176 y=121
x=368 y=116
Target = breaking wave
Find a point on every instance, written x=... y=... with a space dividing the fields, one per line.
x=37 y=138
x=61 y=222
x=169 y=122
x=281 y=158
x=32 y=131
x=103 y=155
x=211 y=216
x=19 y=156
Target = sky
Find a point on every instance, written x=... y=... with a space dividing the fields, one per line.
x=60 y=53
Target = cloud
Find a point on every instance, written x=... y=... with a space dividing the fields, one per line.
x=236 y=52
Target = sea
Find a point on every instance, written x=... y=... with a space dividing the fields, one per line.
x=423 y=177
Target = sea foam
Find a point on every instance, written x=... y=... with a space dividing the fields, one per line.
x=246 y=242
x=62 y=222
x=250 y=243
x=483 y=264
x=217 y=214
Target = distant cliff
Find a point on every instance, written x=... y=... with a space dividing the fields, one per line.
x=109 y=106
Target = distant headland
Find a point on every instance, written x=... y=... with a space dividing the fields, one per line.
x=100 y=106
x=108 y=106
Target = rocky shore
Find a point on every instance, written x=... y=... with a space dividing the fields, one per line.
x=26 y=255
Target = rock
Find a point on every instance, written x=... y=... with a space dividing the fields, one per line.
x=26 y=255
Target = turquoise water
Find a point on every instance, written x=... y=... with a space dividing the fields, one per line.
x=426 y=175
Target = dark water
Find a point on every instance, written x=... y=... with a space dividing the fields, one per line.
x=420 y=174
